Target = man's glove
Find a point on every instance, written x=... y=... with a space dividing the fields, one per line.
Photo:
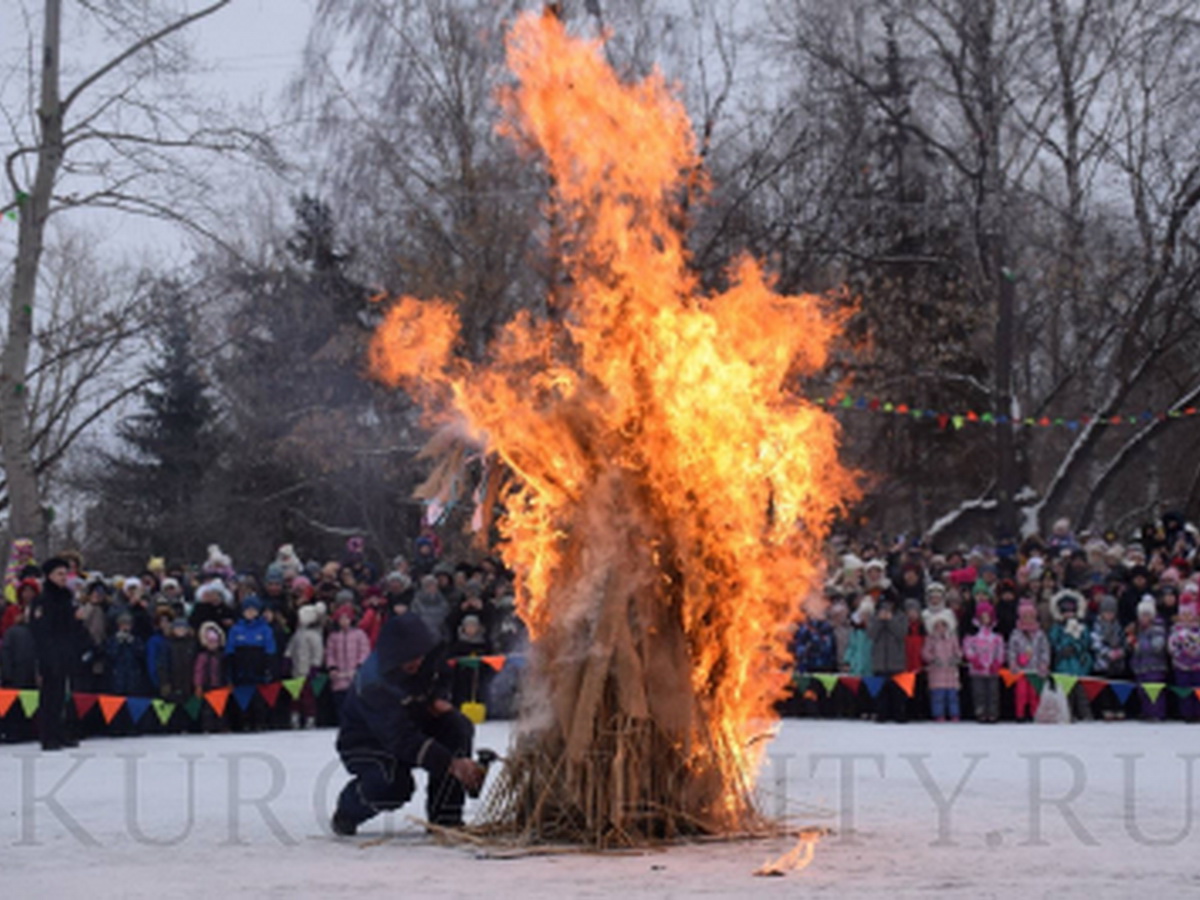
x=468 y=772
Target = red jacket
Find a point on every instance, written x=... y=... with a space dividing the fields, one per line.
x=914 y=643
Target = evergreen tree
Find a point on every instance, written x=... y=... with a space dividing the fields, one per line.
x=156 y=494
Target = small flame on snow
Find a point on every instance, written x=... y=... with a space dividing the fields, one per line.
x=795 y=859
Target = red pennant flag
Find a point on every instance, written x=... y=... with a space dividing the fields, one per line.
x=84 y=704
x=270 y=693
x=902 y=410
x=110 y=706
x=1009 y=677
x=217 y=699
x=7 y=699
x=873 y=406
x=852 y=682
x=907 y=682
x=972 y=416
x=452 y=663
x=1093 y=687
x=943 y=421
x=496 y=662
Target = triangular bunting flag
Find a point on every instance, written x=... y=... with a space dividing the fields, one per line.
x=1035 y=681
x=1198 y=693
x=827 y=680
x=318 y=684
x=873 y=684
x=270 y=693
x=218 y=699
x=496 y=661
x=1180 y=691
x=801 y=682
x=1122 y=689
x=853 y=682
x=110 y=706
x=1093 y=687
x=30 y=700
x=163 y=710
x=138 y=707
x=244 y=694
x=193 y=707
x=1009 y=677
x=294 y=686
x=84 y=704
x=468 y=662
x=8 y=697
x=1065 y=683
x=907 y=682
x=452 y=663
x=1153 y=689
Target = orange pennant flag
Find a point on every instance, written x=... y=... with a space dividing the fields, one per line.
x=7 y=699
x=217 y=699
x=1009 y=677
x=496 y=662
x=1197 y=696
x=907 y=682
x=110 y=706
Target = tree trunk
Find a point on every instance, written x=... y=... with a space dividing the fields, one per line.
x=25 y=517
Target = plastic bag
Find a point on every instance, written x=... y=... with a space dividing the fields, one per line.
x=1053 y=708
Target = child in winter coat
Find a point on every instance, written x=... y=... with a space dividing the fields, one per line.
x=1148 y=657
x=942 y=656
x=251 y=648
x=1108 y=654
x=1028 y=654
x=126 y=655
x=18 y=669
x=1184 y=647
x=1072 y=646
x=984 y=652
x=177 y=663
x=887 y=631
x=208 y=672
x=346 y=649
x=306 y=650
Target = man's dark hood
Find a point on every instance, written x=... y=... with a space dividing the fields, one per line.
x=401 y=640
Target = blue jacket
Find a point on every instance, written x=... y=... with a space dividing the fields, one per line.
x=814 y=647
x=251 y=645
x=126 y=665
x=385 y=715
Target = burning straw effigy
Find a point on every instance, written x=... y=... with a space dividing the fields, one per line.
x=666 y=491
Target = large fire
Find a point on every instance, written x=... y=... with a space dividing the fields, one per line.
x=668 y=494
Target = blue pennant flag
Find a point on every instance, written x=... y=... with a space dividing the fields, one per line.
x=1122 y=689
x=243 y=694
x=874 y=684
x=137 y=707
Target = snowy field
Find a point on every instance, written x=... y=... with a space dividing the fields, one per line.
x=1084 y=810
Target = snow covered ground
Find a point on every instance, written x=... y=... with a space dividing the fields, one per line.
x=1084 y=810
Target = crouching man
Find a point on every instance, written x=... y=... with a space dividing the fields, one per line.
x=394 y=720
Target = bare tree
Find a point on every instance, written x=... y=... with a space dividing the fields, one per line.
x=119 y=138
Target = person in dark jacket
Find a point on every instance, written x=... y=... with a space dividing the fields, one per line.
x=58 y=636
x=18 y=669
x=887 y=631
x=177 y=663
x=395 y=718
x=252 y=654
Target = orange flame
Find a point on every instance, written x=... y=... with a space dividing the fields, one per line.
x=636 y=370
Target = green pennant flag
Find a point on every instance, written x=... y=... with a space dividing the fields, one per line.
x=1035 y=681
x=468 y=662
x=29 y=702
x=1181 y=691
x=958 y=422
x=1153 y=689
x=163 y=710
x=827 y=680
x=801 y=682
x=294 y=686
x=318 y=684
x=1065 y=683
x=192 y=707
